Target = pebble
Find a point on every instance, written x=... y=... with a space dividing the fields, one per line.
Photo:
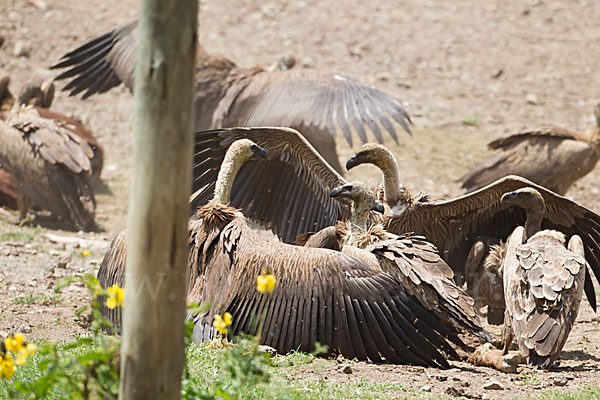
x=560 y=382
x=426 y=388
x=345 y=368
x=531 y=99
x=21 y=49
x=493 y=385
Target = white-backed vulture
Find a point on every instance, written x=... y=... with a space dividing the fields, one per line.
x=50 y=165
x=454 y=225
x=550 y=156
x=321 y=295
x=543 y=283
x=316 y=103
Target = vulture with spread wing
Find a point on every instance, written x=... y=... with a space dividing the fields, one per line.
x=321 y=296
x=552 y=157
x=543 y=283
x=455 y=225
x=50 y=165
x=319 y=104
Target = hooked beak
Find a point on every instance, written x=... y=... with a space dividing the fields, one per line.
x=378 y=207
x=352 y=162
x=335 y=192
x=508 y=196
x=260 y=152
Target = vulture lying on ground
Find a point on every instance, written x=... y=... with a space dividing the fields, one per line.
x=455 y=225
x=316 y=103
x=543 y=283
x=321 y=295
x=50 y=165
x=550 y=156
x=299 y=182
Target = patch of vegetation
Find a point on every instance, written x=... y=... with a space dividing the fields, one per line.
x=528 y=378
x=585 y=393
x=473 y=121
x=46 y=300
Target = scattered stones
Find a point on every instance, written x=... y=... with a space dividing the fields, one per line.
x=531 y=99
x=560 y=382
x=493 y=385
x=426 y=388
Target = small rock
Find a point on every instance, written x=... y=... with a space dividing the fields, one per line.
x=345 y=368
x=21 y=49
x=441 y=378
x=426 y=388
x=570 y=378
x=267 y=349
x=493 y=385
x=12 y=289
x=560 y=382
x=25 y=329
x=455 y=392
x=531 y=99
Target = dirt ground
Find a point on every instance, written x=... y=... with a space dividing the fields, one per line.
x=467 y=72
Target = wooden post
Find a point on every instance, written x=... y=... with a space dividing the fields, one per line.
x=152 y=353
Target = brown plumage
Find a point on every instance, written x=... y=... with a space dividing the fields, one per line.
x=543 y=283
x=51 y=165
x=40 y=97
x=454 y=225
x=321 y=295
x=316 y=103
x=483 y=275
x=552 y=157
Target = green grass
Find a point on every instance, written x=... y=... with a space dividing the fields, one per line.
x=46 y=300
x=473 y=121
x=529 y=378
x=289 y=380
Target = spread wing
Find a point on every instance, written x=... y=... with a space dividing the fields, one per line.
x=417 y=264
x=454 y=225
x=315 y=101
x=546 y=292
x=550 y=156
x=321 y=296
x=288 y=193
x=102 y=63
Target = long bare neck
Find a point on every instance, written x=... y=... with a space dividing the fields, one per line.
x=229 y=169
x=533 y=222
x=391 y=176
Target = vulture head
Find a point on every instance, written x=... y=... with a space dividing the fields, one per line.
x=373 y=153
x=37 y=95
x=527 y=198
x=363 y=198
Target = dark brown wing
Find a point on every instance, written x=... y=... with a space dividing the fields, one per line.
x=316 y=102
x=102 y=63
x=326 y=238
x=288 y=193
x=8 y=190
x=321 y=296
x=544 y=284
x=454 y=225
x=551 y=157
x=417 y=264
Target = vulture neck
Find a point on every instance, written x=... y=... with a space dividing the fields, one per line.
x=358 y=221
x=397 y=196
x=533 y=221
x=229 y=169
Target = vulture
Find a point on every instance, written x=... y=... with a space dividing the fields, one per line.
x=50 y=164
x=319 y=104
x=321 y=295
x=543 y=283
x=413 y=261
x=550 y=156
x=455 y=225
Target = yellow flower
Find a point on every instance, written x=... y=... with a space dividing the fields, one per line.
x=265 y=282
x=227 y=318
x=220 y=325
x=116 y=296
x=14 y=343
x=97 y=292
x=21 y=357
x=7 y=367
x=31 y=348
x=85 y=253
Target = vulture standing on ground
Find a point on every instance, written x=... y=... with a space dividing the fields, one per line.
x=321 y=296
x=317 y=103
x=455 y=225
x=543 y=283
x=50 y=163
x=552 y=157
